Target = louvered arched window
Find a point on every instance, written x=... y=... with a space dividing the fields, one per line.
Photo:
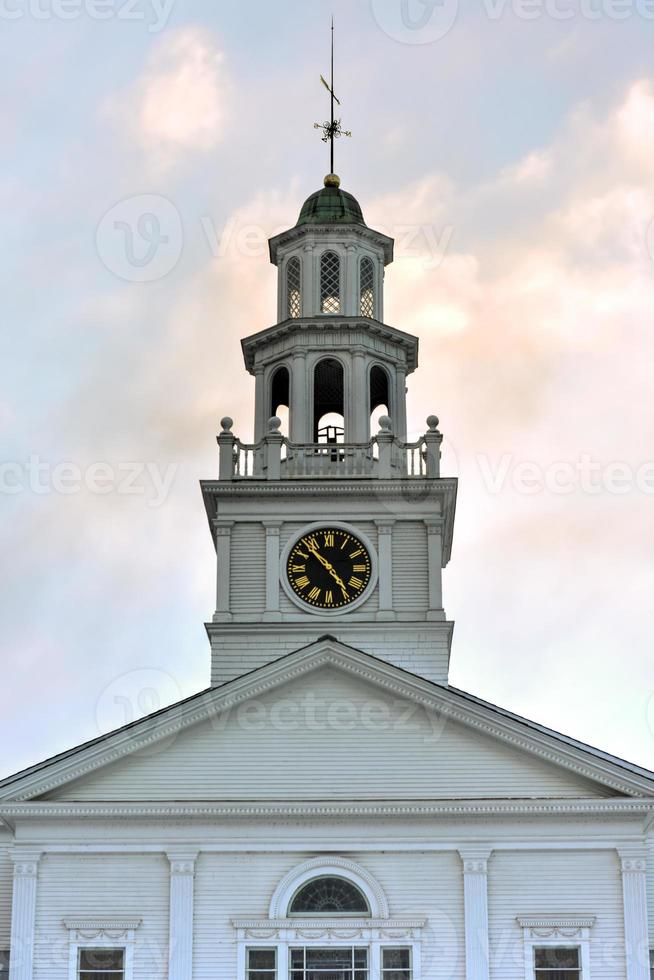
x=330 y=283
x=294 y=288
x=329 y=896
x=367 y=288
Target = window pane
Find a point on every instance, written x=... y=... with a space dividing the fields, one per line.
x=294 y=288
x=261 y=959
x=397 y=959
x=330 y=283
x=329 y=964
x=329 y=895
x=366 y=288
x=553 y=957
x=4 y=962
x=101 y=960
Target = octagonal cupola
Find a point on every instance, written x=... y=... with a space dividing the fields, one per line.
x=331 y=263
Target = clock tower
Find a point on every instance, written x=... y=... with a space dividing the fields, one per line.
x=333 y=523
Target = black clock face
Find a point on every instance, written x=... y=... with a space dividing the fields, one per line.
x=329 y=568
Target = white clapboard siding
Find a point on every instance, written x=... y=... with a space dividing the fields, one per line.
x=248 y=571
x=6 y=874
x=423 y=885
x=112 y=885
x=410 y=568
x=586 y=882
x=343 y=738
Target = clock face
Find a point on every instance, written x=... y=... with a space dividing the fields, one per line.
x=329 y=568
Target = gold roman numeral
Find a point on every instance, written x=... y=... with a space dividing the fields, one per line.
x=315 y=592
x=329 y=539
x=355 y=582
x=302 y=582
x=355 y=554
x=329 y=599
x=359 y=568
x=301 y=568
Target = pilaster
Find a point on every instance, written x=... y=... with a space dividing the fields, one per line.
x=385 y=579
x=182 y=881
x=223 y=532
x=272 y=612
x=360 y=401
x=475 y=894
x=23 y=913
x=633 y=865
x=435 y=563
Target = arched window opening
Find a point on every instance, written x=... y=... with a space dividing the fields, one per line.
x=329 y=896
x=328 y=400
x=367 y=288
x=294 y=288
x=330 y=283
x=379 y=396
x=280 y=396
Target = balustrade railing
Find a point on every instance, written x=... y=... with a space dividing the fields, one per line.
x=385 y=457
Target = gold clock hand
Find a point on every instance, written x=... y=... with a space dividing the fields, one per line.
x=330 y=568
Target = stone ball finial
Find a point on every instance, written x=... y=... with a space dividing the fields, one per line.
x=226 y=423
x=274 y=424
x=332 y=180
x=385 y=423
x=432 y=422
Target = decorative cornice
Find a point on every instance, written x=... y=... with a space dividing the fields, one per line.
x=633 y=865
x=102 y=924
x=345 y=808
x=334 y=923
x=182 y=863
x=475 y=860
x=562 y=921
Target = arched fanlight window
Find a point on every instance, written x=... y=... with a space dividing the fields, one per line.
x=294 y=288
x=330 y=283
x=329 y=896
x=367 y=288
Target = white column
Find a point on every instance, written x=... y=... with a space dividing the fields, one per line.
x=272 y=570
x=310 y=302
x=223 y=531
x=261 y=407
x=435 y=562
x=398 y=409
x=300 y=412
x=385 y=553
x=23 y=914
x=180 y=949
x=633 y=862
x=475 y=896
x=359 y=400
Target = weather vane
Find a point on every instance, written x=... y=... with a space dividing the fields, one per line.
x=332 y=129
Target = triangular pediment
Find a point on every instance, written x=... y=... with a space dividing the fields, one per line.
x=329 y=723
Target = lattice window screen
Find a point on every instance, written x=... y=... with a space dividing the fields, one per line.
x=294 y=288
x=330 y=283
x=367 y=288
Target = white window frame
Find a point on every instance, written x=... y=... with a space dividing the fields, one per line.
x=559 y=932
x=101 y=934
x=373 y=945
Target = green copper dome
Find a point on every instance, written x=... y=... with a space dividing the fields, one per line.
x=331 y=205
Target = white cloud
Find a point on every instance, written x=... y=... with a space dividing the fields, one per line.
x=179 y=105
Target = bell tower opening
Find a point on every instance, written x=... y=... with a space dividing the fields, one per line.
x=379 y=396
x=280 y=396
x=328 y=401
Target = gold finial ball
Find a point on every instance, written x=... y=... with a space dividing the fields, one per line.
x=332 y=180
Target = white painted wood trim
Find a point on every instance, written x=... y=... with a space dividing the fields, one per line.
x=385 y=561
x=272 y=569
x=633 y=865
x=321 y=867
x=475 y=896
x=23 y=913
x=180 y=947
x=101 y=933
x=223 y=531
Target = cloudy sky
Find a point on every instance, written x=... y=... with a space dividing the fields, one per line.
x=507 y=146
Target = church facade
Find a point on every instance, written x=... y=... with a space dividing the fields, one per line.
x=330 y=808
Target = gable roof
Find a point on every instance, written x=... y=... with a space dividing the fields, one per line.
x=620 y=776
